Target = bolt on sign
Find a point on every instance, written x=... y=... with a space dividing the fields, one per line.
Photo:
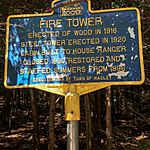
x=74 y=45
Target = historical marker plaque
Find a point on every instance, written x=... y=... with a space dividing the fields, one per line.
x=74 y=44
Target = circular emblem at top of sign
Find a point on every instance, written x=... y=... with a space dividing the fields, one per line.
x=71 y=10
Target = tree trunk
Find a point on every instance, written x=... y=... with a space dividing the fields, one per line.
x=108 y=118
x=88 y=122
x=99 y=110
x=35 y=119
x=51 y=140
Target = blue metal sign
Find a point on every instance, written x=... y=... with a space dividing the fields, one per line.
x=74 y=44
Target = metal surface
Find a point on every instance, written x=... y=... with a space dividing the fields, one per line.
x=81 y=88
x=72 y=115
x=72 y=135
x=74 y=45
x=72 y=104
